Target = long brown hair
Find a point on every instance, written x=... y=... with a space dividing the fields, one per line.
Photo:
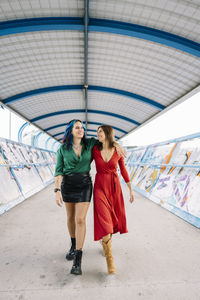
x=109 y=133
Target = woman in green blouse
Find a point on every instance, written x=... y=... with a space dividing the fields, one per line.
x=74 y=185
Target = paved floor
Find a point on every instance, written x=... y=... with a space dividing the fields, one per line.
x=158 y=259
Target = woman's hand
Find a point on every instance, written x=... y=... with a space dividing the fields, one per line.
x=59 y=199
x=120 y=150
x=131 y=196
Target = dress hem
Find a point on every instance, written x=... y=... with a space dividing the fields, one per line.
x=97 y=239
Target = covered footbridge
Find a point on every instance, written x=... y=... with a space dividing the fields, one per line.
x=122 y=63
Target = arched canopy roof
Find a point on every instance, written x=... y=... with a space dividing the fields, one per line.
x=113 y=62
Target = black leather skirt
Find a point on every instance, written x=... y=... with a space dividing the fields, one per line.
x=76 y=187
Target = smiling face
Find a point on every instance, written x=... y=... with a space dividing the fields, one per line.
x=105 y=133
x=78 y=130
x=101 y=135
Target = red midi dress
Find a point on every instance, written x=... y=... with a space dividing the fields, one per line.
x=109 y=211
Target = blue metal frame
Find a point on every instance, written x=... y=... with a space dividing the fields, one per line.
x=51 y=89
x=82 y=111
x=47 y=141
x=21 y=131
x=103 y=89
x=40 y=24
x=114 y=127
x=161 y=165
x=91 y=123
x=180 y=139
x=91 y=135
x=126 y=94
x=37 y=138
x=145 y=33
x=53 y=145
x=89 y=130
x=101 y=25
x=94 y=135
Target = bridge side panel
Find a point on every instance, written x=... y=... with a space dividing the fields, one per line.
x=169 y=174
x=24 y=170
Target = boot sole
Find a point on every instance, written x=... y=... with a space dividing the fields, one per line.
x=69 y=258
x=76 y=273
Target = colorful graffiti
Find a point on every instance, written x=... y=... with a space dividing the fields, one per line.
x=169 y=174
x=24 y=170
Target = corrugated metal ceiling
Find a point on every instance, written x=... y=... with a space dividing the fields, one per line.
x=115 y=62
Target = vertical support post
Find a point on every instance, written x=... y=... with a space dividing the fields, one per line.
x=86 y=21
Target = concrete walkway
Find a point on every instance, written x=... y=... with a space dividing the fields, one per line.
x=158 y=259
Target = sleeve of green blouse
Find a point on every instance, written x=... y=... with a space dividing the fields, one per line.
x=92 y=142
x=59 y=163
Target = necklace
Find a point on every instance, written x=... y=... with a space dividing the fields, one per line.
x=77 y=147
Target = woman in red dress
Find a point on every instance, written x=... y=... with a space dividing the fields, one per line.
x=109 y=211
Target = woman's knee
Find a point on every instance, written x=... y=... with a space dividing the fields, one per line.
x=80 y=221
x=71 y=219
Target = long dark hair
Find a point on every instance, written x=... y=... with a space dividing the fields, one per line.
x=109 y=133
x=68 y=138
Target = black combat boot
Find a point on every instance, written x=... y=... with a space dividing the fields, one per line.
x=71 y=252
x=76 y=268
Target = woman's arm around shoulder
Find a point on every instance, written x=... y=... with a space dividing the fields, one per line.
x=120 y=150
x=92 y=142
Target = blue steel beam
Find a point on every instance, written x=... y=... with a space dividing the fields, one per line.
x=47 y=141
x=52 y=146
x=126 y=94
x=114 y=127
x=35 y=143
x=102 y=89
x=145 y=33
x=45 y=90
x=82 y=111
x=92 y=135
x=21 y=131
x=89 y=130
x=62 y=132
x=101 y=25
x=40 y=24
x=91 y=123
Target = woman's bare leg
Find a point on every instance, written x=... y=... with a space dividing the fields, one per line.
x=70 y=209
x=106 y=238
x=80 y=223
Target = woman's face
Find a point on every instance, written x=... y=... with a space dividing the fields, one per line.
x=101 y=135
x=78 y=130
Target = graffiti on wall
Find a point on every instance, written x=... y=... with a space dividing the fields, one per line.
x=24 y=171
x=163 y=176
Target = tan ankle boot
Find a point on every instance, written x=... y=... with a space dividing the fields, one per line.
x=104 y=248
x=103 y=245
x=107 y=248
